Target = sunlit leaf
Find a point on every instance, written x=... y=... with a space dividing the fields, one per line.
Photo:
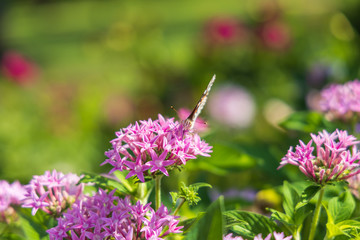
x=248 y=224
x=211 y=225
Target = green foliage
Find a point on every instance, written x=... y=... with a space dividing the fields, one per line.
x=339 y=212
x=188 y=193
x=248 y=224
x=140 y=191
x=308 y=122
x=227 y=158
x=296 y=207
x=34 y=227
x=210 y=225
x=341 y=208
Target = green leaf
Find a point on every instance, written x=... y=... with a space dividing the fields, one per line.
x=104 y=183
x=34 y=227
x=309 y=193
x=291 y=199
x=348 y=224
x=175 y=197
x=301 y=213
x=281 y=217
x=306 y=122
x=228 y=157
x=126 y=182
x=188 y=223
x=333 y=230
x=200 y=185
x=248 y=224
x=342 y=229
x=211 y=225
x=341 y=208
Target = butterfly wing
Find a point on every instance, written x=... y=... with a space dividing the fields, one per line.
x=190 y=121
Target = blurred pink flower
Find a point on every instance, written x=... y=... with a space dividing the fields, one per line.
x=354 y=185
x=53 y=192
x=10 y=195
x=233 y=106
x=18 y=68
x=225 y=30
x=341 y=100
x=200 y=124
x=275 y=35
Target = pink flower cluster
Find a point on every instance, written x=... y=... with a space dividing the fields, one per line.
x=341 y=100
x=336 y=157
x=153 y=147
x=277 y=236
x=354 y=185
x=107 y=216
x=52 y=192
x=10 y=195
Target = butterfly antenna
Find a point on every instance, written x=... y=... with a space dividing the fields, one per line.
x=173 y=108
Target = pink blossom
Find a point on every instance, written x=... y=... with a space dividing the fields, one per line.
x=10 y=196
x=151 y=147
x=225 y=31
x=354 y=185
x=336 y=157
x=232 y=106
x=17 y=68
x=341 y=100
x=52 y=192
x=107 y=216
x=275 y=35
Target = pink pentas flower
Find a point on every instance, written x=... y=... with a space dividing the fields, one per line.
x=152 y=147
x=354 y=185
x=274 y=235
x=18 y=68
x=341 y=101
x=225 y=31
x=10 y=195
x=53 y=192
x=107 y=216
x=336 y=157
x=275 y=35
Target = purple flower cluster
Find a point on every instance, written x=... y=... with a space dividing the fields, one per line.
x=336 y=157
x=53 y=192
x=152 y=147
x=107 y=216
x=277 y=236
x=10 y=195
x=341 y=101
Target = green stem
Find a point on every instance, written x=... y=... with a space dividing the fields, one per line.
x=158 y=191
x=296 y=234
x=182 y=201
x=354 y=121
x=315 y=219
x=142 y=193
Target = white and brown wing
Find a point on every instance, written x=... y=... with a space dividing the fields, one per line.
x=190 y=121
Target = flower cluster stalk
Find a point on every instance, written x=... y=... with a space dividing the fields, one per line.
x=315 y=219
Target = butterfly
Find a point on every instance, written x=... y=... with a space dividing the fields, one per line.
x=190 y=120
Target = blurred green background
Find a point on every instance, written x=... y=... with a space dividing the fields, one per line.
x=74 y=72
